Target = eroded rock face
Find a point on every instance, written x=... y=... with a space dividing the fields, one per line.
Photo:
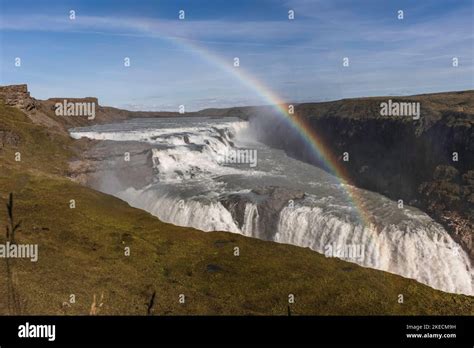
x=17 y=96
x=270 y=200
x=450 y=196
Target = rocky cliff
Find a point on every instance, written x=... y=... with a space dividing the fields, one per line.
x=43 y=112
x=17 y=95
x=428 y=163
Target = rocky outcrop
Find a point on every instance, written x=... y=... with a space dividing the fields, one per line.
x=269 y=200
x=17 y=96
x=43 y=112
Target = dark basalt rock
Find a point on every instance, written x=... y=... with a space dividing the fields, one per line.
x=270 y=200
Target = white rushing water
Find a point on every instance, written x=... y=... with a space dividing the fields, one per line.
x=197 y=184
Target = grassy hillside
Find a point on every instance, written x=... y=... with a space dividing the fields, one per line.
x=81 y=252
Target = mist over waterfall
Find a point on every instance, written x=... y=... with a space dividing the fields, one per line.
x=201 y=177
x=278 y=132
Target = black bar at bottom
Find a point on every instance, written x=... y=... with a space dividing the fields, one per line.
x=413 y=330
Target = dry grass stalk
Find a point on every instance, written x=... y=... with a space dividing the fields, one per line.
x=96 y=307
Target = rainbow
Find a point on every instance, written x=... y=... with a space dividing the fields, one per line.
x=299 y=124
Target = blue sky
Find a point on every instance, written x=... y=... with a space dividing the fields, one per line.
x=299 y=60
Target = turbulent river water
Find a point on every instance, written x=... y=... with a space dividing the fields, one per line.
x=212 y=175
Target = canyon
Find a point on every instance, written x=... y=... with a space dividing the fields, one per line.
x=401 y=158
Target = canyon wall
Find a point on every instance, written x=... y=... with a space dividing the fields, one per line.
x=427 y=163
